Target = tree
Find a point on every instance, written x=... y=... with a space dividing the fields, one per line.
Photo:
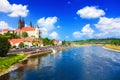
x=21 y=45
x=24 y=34
x=64 y=42
x=4 y=46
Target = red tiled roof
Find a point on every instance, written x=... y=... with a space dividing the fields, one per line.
x=17 y=30
x=14 y=41
x=28 y=29
x=6 y=29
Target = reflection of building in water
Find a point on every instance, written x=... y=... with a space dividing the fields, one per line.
x=33 y=63
x=5 y=77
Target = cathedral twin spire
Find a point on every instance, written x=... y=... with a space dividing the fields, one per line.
x=21 y=23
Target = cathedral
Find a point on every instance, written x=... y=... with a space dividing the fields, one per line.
x=31 y=31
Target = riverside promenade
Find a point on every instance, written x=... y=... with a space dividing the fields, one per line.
x=39 y=49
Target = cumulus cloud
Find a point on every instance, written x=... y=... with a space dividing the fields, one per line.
x=109 y=27
x=90 y=12
x=4 y=25
x=77 y=34
x=47 y=25
x=86 y=31
x=54 y=35
x=13 y=10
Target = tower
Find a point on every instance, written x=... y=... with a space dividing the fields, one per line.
x=19 y=23
x=22 y=23
x=30 y=23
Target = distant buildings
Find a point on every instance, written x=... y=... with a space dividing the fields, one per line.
x=31 y=31
x=33 y=34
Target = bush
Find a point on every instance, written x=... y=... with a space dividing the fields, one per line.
x=21 y=45
x=4 y=46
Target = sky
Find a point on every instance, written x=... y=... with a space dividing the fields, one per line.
x=64 y=19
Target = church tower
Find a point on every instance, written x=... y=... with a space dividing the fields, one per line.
x=21 y=23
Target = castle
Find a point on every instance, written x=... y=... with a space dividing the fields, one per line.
x=31 y=31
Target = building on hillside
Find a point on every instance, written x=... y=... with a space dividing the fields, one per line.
x=28 y=43
x=57 y=42
x=31 y=31
x=16 y=42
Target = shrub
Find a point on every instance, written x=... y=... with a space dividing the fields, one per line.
x=21 y=45
x=4 y=46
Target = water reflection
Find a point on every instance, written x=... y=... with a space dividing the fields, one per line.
x=84 y=63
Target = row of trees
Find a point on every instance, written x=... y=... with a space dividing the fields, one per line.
x=114 y=41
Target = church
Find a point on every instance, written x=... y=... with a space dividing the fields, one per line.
x=31 y=31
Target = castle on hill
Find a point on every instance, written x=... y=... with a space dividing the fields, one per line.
x=31 y=31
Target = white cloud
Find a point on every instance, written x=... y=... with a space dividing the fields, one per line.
x=13 y=10
x=109 y=27
x=90 y=12
x=54 y=35
x=86 y=31
x=47 y=25
x=19 y=10
x=5 y=6
x=4 y=25
x=77 y=34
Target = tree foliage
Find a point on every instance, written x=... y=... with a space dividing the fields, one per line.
x=11 y=35
x=24 y=34
x=4 y=46
x=21 y=45
x=47 y=41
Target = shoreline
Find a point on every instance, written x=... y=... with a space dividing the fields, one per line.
x=20 y=63
x=110 y=49
x=30 y=55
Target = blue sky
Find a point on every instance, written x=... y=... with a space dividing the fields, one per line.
x=65 y=19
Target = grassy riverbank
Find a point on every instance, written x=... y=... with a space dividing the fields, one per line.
x=113 y=47
x=6 y=62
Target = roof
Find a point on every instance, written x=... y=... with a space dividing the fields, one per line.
x=28 y=29
x=14 y=41
x=6 y=29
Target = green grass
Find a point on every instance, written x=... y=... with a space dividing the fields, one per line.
x=6 y=62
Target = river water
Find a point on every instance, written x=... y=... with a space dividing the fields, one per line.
x=83 y=63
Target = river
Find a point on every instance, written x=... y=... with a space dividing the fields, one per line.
x=83 y=63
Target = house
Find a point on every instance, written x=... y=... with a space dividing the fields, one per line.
x=16 y=42
x=57 y=42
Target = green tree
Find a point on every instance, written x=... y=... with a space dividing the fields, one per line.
x=12 y=35
x=64 y=42
x=4 y=46
x=21 y=45
x=24 y=34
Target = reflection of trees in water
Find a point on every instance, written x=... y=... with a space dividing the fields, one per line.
x=17 y=74
x=5 y=77
x=33 y=63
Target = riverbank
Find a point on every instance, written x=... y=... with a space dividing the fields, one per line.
x=20 y=62
x=10 y=60
x=112 y=47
